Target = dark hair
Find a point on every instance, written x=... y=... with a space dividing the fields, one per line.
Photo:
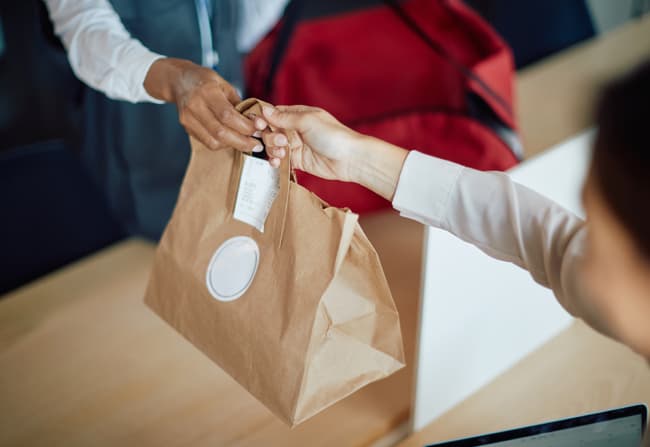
x=621 y=160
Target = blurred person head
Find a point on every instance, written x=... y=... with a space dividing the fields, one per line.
x=617 y=202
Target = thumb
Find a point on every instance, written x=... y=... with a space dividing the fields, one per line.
x=284 y=119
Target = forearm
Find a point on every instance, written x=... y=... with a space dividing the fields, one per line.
x=505 y=220
x=487 y=209
x=377 y=165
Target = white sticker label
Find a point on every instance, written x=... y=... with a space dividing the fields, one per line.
x=232 y=268
x=258 y=187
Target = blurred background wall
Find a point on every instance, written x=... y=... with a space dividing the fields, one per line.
x=52 y=212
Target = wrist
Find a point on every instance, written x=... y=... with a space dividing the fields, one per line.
x=377 y=165
x=162 y=79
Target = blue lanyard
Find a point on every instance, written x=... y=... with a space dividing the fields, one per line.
x=209 y=57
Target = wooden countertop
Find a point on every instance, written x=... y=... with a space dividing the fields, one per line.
x=84 y=362
x=579 y=371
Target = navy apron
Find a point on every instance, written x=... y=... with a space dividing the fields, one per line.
x=138 y=153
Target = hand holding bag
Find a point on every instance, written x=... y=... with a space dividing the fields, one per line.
x=300 y=314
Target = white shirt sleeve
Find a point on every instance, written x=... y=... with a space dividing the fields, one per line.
x=101 y=51
x=502 y=218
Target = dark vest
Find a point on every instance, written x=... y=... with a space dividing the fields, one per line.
x=138 y=152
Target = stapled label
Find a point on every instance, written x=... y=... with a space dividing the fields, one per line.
x=259 y=185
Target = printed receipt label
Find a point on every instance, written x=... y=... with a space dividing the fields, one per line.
x=259 y=185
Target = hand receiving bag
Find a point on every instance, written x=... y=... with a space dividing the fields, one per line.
x=300 y=314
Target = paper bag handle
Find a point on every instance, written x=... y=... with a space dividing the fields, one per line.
x=275 y=221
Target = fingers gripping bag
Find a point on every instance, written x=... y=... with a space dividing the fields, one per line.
x=293 y=305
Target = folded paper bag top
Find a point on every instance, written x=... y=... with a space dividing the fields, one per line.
x=300 y=314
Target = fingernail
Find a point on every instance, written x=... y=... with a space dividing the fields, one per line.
x=275 y=162
x=260 y=124
x=280 y=153
x=258 y=148
x=281 y=140
x=267 y=111
x=257 y=134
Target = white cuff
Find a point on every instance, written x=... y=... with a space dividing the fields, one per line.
x=146 y=97
x=424 y=187
x=139 y=59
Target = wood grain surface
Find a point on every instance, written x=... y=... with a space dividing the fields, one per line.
x=578 y=371
x=83 y=362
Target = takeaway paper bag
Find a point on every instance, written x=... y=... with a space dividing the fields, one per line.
x=300 y=314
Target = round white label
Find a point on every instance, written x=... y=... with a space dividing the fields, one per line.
x=232 y=268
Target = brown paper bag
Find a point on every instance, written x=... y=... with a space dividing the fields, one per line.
x=311 y=318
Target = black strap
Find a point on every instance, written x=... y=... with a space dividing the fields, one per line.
x=291 y=17
x=435 y=46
